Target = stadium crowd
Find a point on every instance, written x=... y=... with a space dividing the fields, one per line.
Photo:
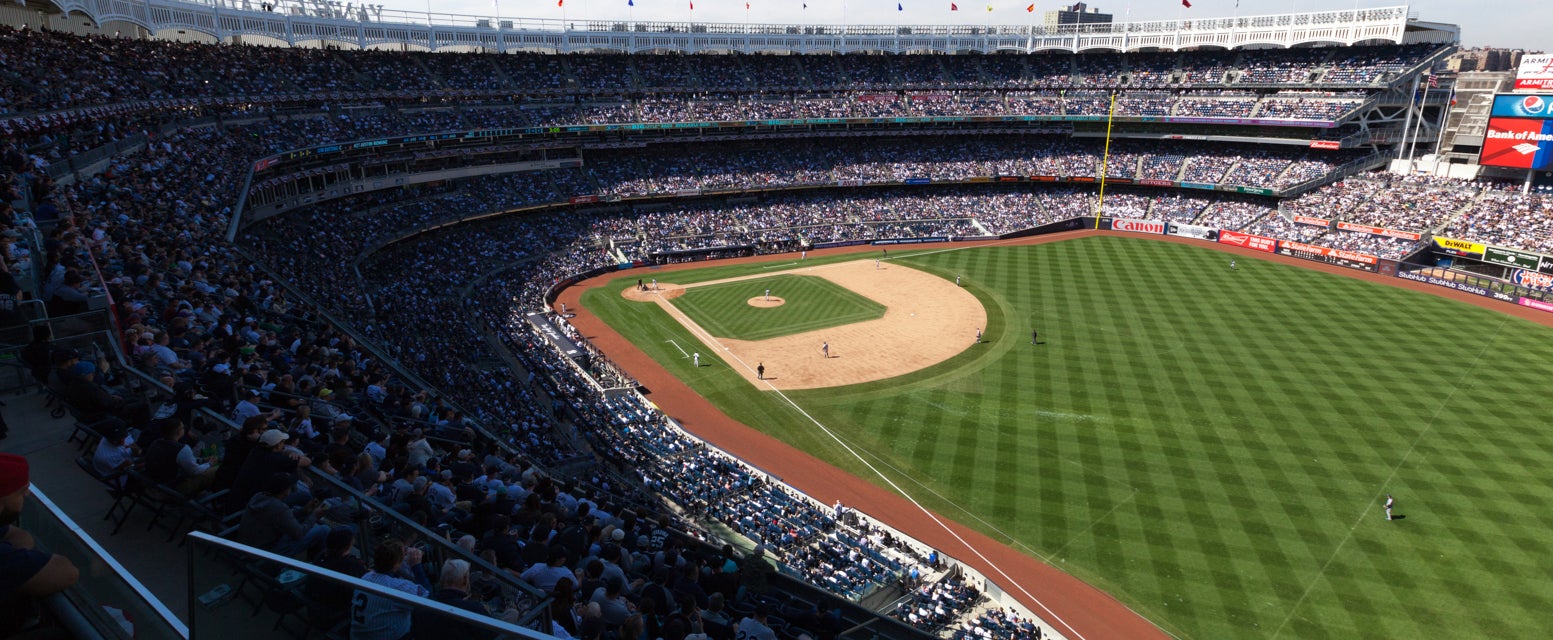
x=267 y=330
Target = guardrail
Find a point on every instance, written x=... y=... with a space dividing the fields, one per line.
x=104 y=585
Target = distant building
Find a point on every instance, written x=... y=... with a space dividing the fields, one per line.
x=1078 y=13
x=1484 y=59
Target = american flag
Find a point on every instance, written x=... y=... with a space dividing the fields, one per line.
x=1434 y=81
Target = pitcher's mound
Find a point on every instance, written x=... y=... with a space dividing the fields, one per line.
x=766 y=303
x=665 y=291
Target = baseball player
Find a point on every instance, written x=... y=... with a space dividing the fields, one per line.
x=876 y=263
x=978 y=335
x=1034 y=336
x=957 y=281
x=1232 y=266
x=654 y=284
x=768 y=295
x=825 y=350
x=695 y=359
x=760 y=371
x=1389 y=504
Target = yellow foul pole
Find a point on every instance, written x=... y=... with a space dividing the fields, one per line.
x=1105 y=160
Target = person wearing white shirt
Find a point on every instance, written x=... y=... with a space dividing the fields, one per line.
x=114 y=452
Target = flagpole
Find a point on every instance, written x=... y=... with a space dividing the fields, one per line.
x=1105 y=160
x=1412 y=148
x=1408 y=122
x=1444 y=115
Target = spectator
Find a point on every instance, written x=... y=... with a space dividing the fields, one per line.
x=25 y=572
x=268 y=522
x=395 y=567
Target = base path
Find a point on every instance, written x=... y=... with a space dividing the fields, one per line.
x=1088 y=613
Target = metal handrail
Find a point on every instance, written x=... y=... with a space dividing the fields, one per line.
x=483 y=622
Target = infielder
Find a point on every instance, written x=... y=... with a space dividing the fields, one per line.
x=654 y=284
x=978 y=335
x=760 y=371
x=825 y=350
x=876 y=263
x=957 y=281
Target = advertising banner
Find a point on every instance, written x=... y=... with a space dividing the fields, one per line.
x=1138 y=226
x=584 y=199
x=1460 y=247
x=1192 y=231
x=1520 y=133
x=1535 y=304
x=1043 y=178
x=1328 y=255
x=1535 y=73
x=1511 y=258
x=1547 y=265
x=1312 y=221
x=1325 y=144
x=1532 y=279
x=911 y=240
x=1452 y=284
x=1156 y=183
x=1378 y=231
x=1248 y=241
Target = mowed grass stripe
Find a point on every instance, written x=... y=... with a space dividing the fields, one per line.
x=1199 y=442
x=811 y=303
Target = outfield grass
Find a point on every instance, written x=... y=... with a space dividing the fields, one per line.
x=811 y=303
x=1211 y=447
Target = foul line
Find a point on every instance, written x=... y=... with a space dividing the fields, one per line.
x=1394 y=469
x=710 y=339
x=676 y=346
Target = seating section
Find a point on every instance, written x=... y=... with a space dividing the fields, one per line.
x=398 y=363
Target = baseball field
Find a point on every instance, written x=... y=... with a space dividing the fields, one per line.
x=1211 y=447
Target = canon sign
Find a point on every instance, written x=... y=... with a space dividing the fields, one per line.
x=1137 y=226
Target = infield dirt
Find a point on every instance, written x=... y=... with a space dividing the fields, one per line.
x=927 y=320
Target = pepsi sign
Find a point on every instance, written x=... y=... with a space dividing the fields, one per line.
x=1523 y=106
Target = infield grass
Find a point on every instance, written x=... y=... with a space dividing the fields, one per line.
x=1212 y=447
x=811 y=303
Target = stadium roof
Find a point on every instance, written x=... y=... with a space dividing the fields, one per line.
x=361 y=25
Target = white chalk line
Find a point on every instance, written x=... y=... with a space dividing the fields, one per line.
x=676 y=346
x=707 y=337
x=1394 y=469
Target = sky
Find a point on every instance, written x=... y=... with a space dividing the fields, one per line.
x=1500 y=23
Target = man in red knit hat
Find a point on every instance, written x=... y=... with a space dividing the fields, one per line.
x=25 y=572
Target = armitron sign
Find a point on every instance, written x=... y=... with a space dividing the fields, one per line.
x=1535 y=73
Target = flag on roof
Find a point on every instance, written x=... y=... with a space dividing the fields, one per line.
x=954 y=7
x=1186 y=3
x=1030 y=9
x=898 y=7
